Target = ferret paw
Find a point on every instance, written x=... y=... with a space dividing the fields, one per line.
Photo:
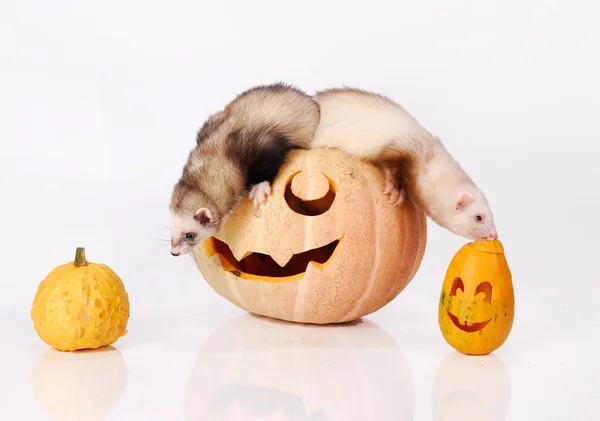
x=259 y=193
x=396 y=195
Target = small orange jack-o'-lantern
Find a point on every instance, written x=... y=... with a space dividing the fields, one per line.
x=326 y=247
x=477 y=302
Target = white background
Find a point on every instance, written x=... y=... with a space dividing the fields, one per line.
x=99 y=105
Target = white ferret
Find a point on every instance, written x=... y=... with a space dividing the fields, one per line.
x=415 y=163
x=238 y=152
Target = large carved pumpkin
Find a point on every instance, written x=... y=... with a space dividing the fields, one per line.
x=326 y=247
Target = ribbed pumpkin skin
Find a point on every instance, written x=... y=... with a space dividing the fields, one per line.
x=380 y=249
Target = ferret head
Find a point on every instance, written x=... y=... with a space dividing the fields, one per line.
x=192 y=220
x=468 y=214
x=187 y=230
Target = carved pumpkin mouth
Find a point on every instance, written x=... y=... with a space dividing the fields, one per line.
x=262 y=267
x=466 y=328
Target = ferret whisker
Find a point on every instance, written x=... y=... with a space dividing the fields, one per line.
x=191 y=260
x=161 y=239
x=162 y=245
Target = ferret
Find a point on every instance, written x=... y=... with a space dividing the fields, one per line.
x=415 y=163
x=239 y=151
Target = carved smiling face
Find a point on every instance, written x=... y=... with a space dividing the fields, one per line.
x=326 y=247
x=470 y=310
x=282 y=267
x=476 y=307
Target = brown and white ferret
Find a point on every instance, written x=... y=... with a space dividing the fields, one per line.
x=415 y=163
x=238 y=152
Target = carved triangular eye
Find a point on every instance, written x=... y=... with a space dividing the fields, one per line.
x=486 y=288
x=456 y=285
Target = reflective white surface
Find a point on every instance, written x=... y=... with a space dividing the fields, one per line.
x=236 y=366
x=99 y=107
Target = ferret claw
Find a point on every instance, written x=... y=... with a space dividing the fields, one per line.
x=396 y=197
x=389 y=187
x=259 y=193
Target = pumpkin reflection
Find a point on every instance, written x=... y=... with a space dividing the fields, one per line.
x=256 y=368
x=79 y=385
x=467 y=388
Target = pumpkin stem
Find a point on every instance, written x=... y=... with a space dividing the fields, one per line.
x=80 y=257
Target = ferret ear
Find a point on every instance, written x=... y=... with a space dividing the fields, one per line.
x=464 y=199
x=204 y=216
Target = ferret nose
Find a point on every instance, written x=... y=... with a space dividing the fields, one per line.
x=174 y=254
x=494 y=235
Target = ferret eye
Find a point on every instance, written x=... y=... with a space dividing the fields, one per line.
x=478 y=218
x=189 y=236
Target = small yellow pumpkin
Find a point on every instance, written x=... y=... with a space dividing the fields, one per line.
x=80 y=305
x=477 y=303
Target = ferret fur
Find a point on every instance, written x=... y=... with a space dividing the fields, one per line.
x=416 y=164
x=238 y=152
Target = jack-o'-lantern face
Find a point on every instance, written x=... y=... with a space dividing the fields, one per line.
x=470 y=309
x=326 y=246
x=284 y=268
x=476 y=307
